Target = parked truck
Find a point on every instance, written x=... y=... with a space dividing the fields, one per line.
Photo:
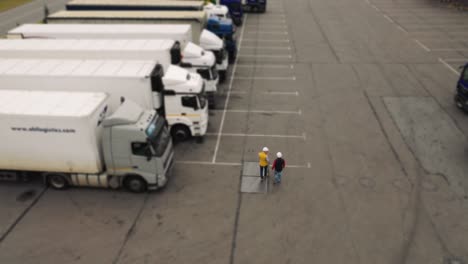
x=197 y=19
x=235 y=10
x=461 y=96
x=164 y=52
x=72 y=139
x=182 y=33
x=148 y=5
x=176 y=94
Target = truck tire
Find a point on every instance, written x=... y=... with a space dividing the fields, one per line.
x=57 y=181
x=222 y=76
x=180 y=133
x=459 y=103
x=135 y=184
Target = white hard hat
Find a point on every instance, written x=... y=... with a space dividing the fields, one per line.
x=279 y=155
x=265 y=149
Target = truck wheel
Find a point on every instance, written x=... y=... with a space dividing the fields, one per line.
x=222 y=76
x=57 y=181
x=135 y=184
x=180 y=133
x=459 y=102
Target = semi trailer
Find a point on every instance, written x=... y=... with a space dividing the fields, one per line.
x=175 y=93
x=73 y=139
x=223 y=28
x=164 y=52
x=182 y=33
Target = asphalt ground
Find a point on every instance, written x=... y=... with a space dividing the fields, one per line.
x=357 y=95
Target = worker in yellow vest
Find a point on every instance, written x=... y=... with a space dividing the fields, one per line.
x=263 y=161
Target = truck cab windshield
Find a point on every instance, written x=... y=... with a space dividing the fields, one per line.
x=158 y=135
x=235 y=6
x=202 y=98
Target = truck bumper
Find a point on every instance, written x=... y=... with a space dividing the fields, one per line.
x=224 y=65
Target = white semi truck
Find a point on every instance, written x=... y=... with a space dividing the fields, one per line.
x=72 y=139
x=178 y=96
x=164 y=52
x=181 y=33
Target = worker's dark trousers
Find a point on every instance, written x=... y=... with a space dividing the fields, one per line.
x=263 y=171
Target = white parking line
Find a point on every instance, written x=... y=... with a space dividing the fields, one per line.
x=266 y=78
x=303 y=136
x=449 y=66
x=193 y=162
x=296 y=93
x=290 y=66
x=456 y=60
x=401 y=28
x=265 y=56
x=260 y=111
x=268 y=32
x=267 y=27
x=451 y=49
x=267 y=40
x=376 y=8
x=422 y=45
x=389 y=19
x=221 y=126
x=268 y=48
x=209 y=163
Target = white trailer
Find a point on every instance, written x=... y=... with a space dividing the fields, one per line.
x=181 y=33
x=179 y=95
x=137 y=5
x=164 y=52
x=71 y=138
x=197 y=19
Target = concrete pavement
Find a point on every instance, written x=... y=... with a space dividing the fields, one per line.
x=357 y=96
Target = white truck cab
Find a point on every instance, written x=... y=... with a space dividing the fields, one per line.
x=186 y=103
x=209 y=41
x=143 y=82
x=220 y=11
x=197 y=60
x=183 y=33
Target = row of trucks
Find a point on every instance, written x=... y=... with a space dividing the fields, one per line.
x=233 y=9
x=95 y=98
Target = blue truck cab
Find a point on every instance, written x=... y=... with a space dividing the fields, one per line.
x=255 y=6
x=224 y=29
x=461 y=97
x=235 y=10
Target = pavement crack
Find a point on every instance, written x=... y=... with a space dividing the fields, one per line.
x=131 y=230
x=23 y=214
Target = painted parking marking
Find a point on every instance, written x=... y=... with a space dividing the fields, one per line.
x=267 y=48
x=268 y=32
x=422 y=45
x=267 y=40
x=223 y=118
x=449 y=66
x=265 y=78
x=389 y=19
x=455 y=60
x=266 y=56
x=299 y=112
x=273 y=66
x=303 y=136
x=189 y=162
x=296 y=93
